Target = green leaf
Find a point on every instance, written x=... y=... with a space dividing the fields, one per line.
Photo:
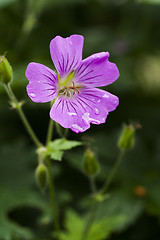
x=16 y=189
x=56 y=148
x=74 y=226
x=100 y=230
x=121 y=203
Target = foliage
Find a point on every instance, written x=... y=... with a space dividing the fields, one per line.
x=16 y=191
x=100 y=230
x=56 y=148
x=129 y=30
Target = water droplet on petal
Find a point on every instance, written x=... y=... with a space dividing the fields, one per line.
x=70 y=43
x=105 y=96
x=96 y=111
x=32 y=94
x=98 y=100
x=72 y=113
x=76 y=127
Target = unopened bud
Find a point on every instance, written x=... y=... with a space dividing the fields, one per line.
x=41 y=175
x=126 y=140
x=90 y=164
x=6 y=73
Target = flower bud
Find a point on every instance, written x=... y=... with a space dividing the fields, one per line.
x=90 y=164
x=126 y=140
x=41 y=175
x=6 y=72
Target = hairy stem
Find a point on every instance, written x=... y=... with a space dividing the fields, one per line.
x=95 y=204
x=51 y=182
x=52 y=197
x=112 y=172
x=50 y=131
x=92 y=184
x=18 y=106
x=90 y=220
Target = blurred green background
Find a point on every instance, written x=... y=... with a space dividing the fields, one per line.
x=130 y=31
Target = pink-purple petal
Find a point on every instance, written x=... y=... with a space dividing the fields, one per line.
x=91 y=105
x=69 y=115
x=42 y=83
x=66 y=53
x=97 y=103
x=96 y=71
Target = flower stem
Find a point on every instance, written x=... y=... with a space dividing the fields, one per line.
x=95 y=204
x=90 y=220
x=112 y=172
x=50 y=131
x=51 y=183
x=92 y=184
x=18 y=106
x=52 y=197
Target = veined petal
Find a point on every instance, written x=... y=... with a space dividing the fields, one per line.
x=69 y=115
x=97 y=104
x=96 y=71
x=66 y=53
x=89 y=106
x=42 y=83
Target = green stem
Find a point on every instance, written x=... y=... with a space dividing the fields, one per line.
x=18 y=107
x=50 y=131
x=96 y=203
x=91 y=218
x=50 y=128
x=112 y=172
x=52 y=197
x=92 y=184
x=51 y=183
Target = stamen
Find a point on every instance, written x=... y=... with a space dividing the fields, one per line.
x=68 y=91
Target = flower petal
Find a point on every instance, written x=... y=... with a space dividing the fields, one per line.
x=97 y=104
x=91 y=105
x=66 y=53
x=69 y=115
x=42 y=82
x=97 y=71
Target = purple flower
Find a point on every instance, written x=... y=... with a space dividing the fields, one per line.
x=77 y=102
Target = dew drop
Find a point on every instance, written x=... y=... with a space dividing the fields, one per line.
x=96 y=111
x=76 y=127
x=32 y=94
x=98 y=100
x=70 y=43
x=105 y=96
x=72 y=114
